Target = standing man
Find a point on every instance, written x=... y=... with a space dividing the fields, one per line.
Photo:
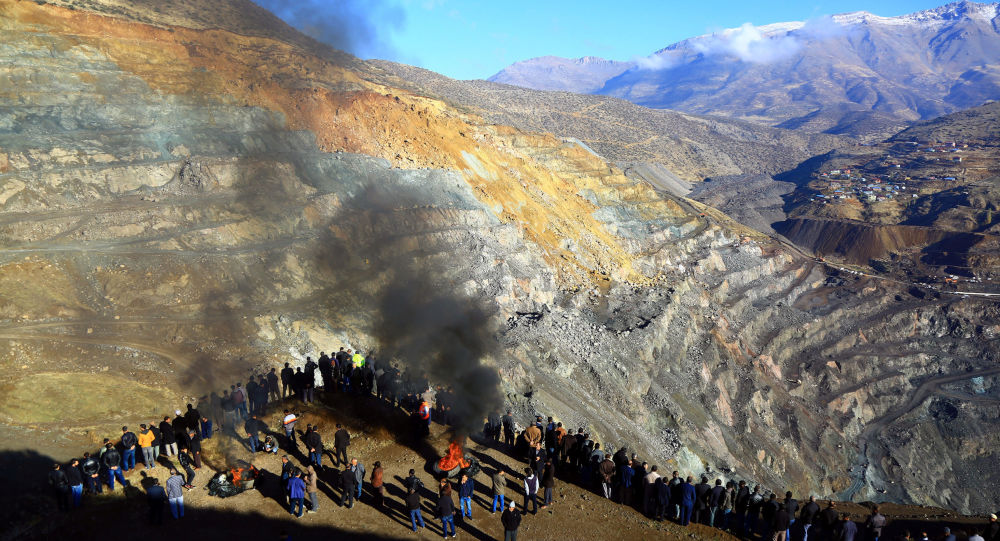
x=194 y=446
x=413 y=506
x=206 y=428
x=252 y=428
x=296 y=494
x=508 y=428
x=341 y=441
x=169 y=437
x=314 y=442
x=60 y=487
x=75 y=480
x=687 y=499
x=359 y=476
x=157 y=441
x=146 y=438
x=157 y=499
x=175 y=494
x=287 y=379
x=782 y=520
x=347 y=482
x=499 y=489
x=91 y=469
x=377 y=484
x=849 y=530
x=530 y=490
x=548 y=484
x=876 y=522
x=113 y=462
x=807 y=515
x=511 y=520
x=715 y=498
x=647 y=488
x=466 y=488
x=446 y=512
x=129 y=441
x=288 y=423
x=312 y=486
x=607 y=471
x=791 y=506
x=272 y=384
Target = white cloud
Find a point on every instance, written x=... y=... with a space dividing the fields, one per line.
x=748 y=44
x=656 y=61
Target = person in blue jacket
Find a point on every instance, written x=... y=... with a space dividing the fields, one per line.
x=687 y=500
x=296 y=493
x=465 y=490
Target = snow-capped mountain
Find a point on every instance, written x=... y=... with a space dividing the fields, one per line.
x=856 y=73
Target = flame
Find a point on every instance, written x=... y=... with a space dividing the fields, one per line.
x=239 y=474
x=454 y=458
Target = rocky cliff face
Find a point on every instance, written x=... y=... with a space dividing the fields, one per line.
x=181 y=205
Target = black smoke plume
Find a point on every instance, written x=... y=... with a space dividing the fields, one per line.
x=419 y=318
x=358 y=27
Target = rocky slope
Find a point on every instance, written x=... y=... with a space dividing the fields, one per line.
x=855 y=74
x=185 y=203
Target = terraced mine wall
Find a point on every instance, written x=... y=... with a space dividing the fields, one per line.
x=180 y=207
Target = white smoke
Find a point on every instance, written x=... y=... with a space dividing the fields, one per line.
x=748 y=44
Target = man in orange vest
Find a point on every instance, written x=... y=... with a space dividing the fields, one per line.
x=425 y=412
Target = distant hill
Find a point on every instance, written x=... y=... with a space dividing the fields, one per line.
x=856 y=73
x=691 y=146
x=976 y=125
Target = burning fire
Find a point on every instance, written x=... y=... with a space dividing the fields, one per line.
x=454 y=458
x=243 y=474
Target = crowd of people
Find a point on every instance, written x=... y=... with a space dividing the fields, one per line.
x=550 y=454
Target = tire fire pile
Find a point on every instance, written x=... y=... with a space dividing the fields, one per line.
x=233 y=482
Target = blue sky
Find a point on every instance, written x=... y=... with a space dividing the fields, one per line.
x=473 y=40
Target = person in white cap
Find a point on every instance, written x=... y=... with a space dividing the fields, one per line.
x=993 y=530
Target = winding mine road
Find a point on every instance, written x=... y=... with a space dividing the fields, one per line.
x=926 y=389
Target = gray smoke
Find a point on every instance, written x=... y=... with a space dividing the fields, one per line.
x=360 y=27
x=419 y=318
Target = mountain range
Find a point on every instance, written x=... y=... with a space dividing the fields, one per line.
x=855 y=74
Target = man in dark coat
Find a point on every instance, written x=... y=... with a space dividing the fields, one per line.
x=847 y=529
x=341 y=441
x=60 y=487
x=780 y=523
x=767 y=512
x=662 y=495
x=75 y=478
x=157 y=499
x=828 y=520
x=194 y=446
x=740 y=504
x=113 y=464
x=511 y=520
x=91 y=469
x=347 y=486
x=715 y=500
x=702 y=492
x=807 y=516
x=253 y=426
x=272 y=384
x=287 y=380
x=314 y=444
x=508 y=428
